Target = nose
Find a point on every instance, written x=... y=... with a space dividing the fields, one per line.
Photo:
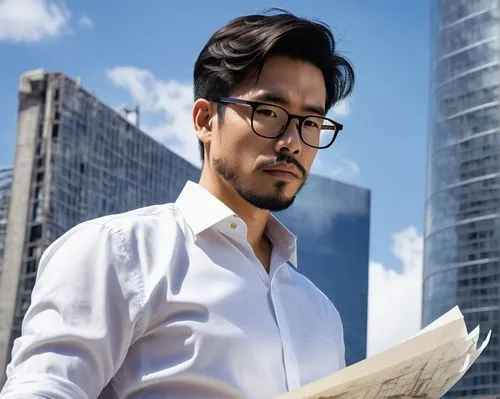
x=290 y=140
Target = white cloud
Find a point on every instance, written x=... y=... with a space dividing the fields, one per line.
x=341 y=109
x=335 y=166
x=394 y=305
x=85 y=22
x=171 y=100
x=32 y=20
x=344 y=169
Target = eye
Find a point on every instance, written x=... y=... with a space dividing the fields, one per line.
x=270 y=113
x=311 y=123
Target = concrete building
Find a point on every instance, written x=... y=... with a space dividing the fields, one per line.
x=75 y=159
x=5 y=181
x=462 y=227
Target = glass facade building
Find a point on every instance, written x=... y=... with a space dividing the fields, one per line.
x=332 y=222
x=462 y=227
x=76 y=159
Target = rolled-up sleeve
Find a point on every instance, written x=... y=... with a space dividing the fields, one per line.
x=84 y=314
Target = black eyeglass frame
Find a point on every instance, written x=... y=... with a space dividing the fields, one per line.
x=337 y=127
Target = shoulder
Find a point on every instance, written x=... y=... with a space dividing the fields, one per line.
x=131 y=227
x=140 y=235
x=139 y=219
x=147 y=232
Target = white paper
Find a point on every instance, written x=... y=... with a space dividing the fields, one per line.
x=429 y=363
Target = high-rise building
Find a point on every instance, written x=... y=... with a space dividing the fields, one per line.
x=75 y=159
x=462 y=227
x=5 y=180
x=332 y=222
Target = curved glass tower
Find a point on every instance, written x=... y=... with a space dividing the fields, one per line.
x=462 y=227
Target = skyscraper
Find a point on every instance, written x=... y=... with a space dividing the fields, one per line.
x=332 y=222
x=75 y=159
x=462 y=227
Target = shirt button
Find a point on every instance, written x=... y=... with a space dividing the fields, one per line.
x=233 y=225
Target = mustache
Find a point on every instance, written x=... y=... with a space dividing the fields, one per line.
x=280 y=159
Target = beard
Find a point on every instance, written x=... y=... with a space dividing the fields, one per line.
x=276 y=201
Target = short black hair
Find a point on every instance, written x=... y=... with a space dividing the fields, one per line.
x=238 y=50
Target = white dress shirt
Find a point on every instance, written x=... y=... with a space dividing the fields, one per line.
x=170 y=301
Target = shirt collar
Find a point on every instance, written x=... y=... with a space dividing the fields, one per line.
x=282 y=238
x=200 y=208
x=214 y=211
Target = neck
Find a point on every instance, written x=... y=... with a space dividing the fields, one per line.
x=254 y=218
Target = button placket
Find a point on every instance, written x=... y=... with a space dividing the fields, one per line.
x=289 y=358
x=235 y=229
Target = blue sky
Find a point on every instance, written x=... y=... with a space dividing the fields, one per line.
x=129 y=51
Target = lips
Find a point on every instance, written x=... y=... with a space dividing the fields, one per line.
x=289 y=170
x=281 y=174
x=282 y=171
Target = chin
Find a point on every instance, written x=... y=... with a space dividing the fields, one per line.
x=271 y=200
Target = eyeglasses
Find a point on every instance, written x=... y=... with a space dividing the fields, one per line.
x=270 y=121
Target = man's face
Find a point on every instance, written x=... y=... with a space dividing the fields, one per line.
x=268 y=173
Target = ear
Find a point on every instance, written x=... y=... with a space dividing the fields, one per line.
x=203 y=119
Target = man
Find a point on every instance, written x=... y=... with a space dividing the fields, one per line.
x=201 y=298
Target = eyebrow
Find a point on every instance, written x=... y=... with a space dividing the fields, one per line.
x=277 y=99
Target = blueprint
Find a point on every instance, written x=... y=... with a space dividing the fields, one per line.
x=425 y=366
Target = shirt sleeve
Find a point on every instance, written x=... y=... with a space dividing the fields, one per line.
x=342 y=363
x=82 y=319
x=337 y=328
x=338 y=331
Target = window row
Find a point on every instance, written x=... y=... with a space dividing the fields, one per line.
x=469 y=31
x=450 y=131
x=483 y=53
x=448 y=11
x=461 y=203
